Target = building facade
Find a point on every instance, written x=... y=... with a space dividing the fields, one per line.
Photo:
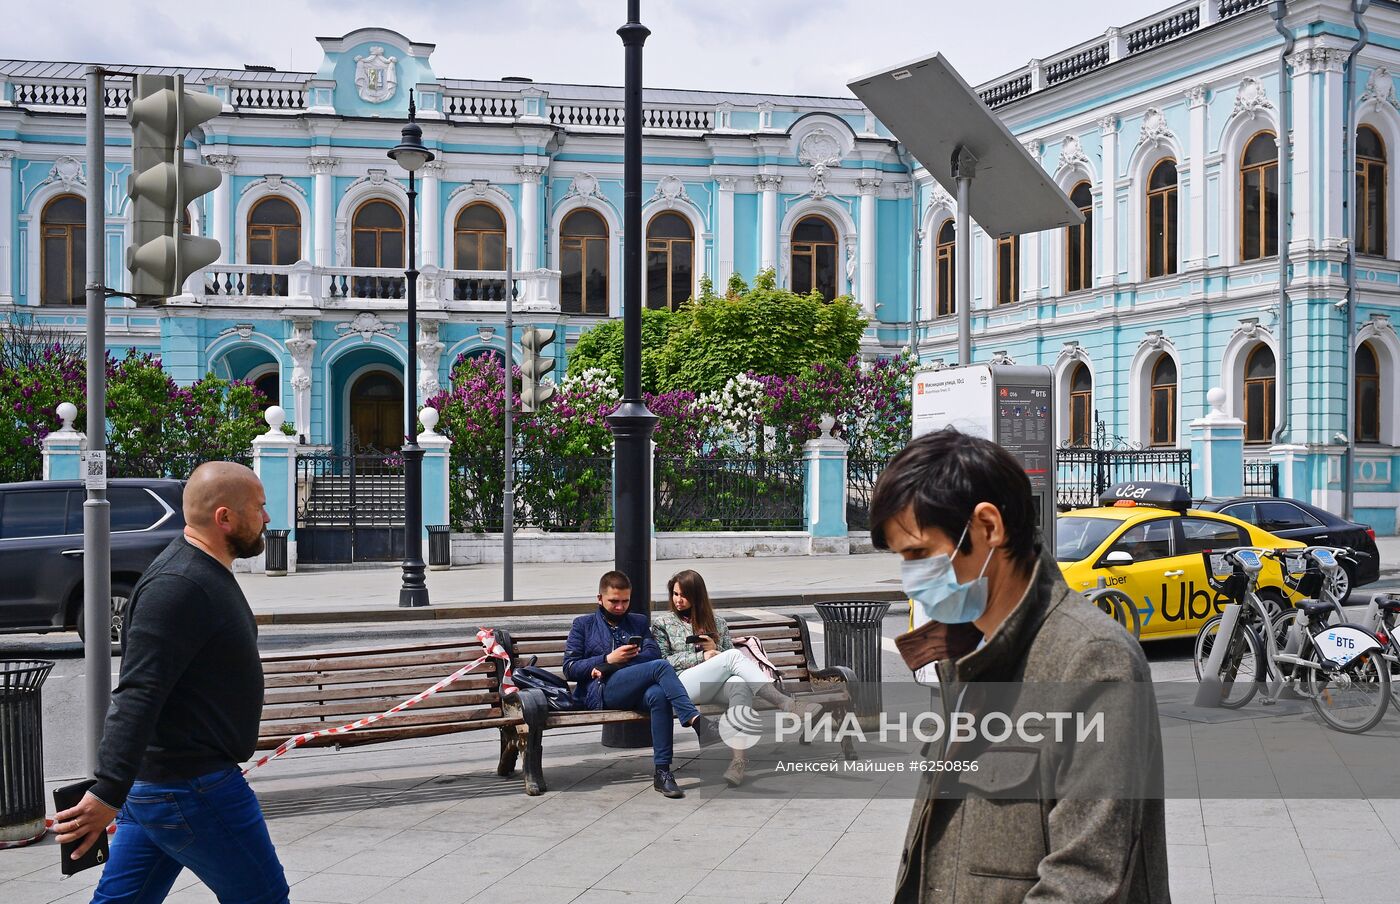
x=1165 y=132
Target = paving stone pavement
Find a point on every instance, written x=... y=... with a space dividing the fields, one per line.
x=429 y=822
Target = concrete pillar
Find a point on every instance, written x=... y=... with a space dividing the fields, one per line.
x=724 y=238
x=275 y=463
x=63 y=449
x=323 y=210
x=7 y=225
x=430 y=215
x=1217 y=451
x=1106 y=230
x=824 y=460
x=527 y=254
x=1196 y=216
x=869 y=188
x=768 y=222
x=222 y=216
x=437 y=472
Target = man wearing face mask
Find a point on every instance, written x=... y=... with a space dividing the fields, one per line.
x=1036 y=822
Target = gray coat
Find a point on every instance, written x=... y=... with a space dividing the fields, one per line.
x=1035 y=824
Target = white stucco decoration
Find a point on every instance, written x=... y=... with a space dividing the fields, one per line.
x=376 y=76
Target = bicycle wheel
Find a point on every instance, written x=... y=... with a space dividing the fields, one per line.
x=1120 y=607
x=1242 y=668
x=1353 y=698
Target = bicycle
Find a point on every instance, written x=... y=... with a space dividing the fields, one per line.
x=1340 y=668
x=1381 y=617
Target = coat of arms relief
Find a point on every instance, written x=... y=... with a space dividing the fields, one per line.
x=376 y=76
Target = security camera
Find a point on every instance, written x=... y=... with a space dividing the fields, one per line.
x=1340 y=305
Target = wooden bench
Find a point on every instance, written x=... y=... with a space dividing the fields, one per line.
x=786 y=641
x=309 y=691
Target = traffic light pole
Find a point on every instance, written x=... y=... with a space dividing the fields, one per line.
x=97 y=515
x=632 y=424
x=508 y=497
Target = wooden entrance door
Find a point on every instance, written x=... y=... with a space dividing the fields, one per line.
x=376 y=411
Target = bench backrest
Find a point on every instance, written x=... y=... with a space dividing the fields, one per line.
x=310 y=691
x=785 y=640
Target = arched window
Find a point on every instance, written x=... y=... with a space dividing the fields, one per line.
x=583 y=260
x=945 y=255
x=479 y=238
x=1008 y=269
x=1370 y=192
x=274 y=239
x=670 y=260
x=63 y=254
x=814 y=257
x=1259 y=376
x=1079 y=242
x=378 y=241
x=1163 y=401
x=1259 y=198
x=1081 y=406
x=1161 y=219
x=1368 y=395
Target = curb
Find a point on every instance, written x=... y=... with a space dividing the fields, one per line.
x=555 y=606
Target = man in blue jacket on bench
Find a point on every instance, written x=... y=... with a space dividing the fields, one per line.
x=617 y=665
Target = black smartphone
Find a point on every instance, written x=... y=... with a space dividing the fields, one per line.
x=635 y=640
x=66 y=798
x=694 y=638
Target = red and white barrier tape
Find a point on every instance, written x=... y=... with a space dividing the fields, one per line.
x=488 y=642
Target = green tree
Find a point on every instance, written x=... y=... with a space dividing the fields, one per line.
x=601 y=347
x=763 y=330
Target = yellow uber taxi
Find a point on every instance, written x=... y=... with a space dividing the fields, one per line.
x=1145 y=540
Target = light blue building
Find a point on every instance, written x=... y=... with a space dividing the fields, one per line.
x=1164 y=130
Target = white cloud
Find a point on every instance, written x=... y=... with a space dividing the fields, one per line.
x=761 y=46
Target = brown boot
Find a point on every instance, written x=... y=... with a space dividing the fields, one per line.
x=803 y=711
x=735 y=773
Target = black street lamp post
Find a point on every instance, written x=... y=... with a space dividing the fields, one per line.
x=632 y=423
x=412 y=155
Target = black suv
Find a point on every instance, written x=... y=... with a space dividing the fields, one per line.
x=41 y=547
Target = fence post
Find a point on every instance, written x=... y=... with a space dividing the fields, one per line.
x=275 y=463
x=437 y=471
x=1217 y=450
x=824 y=461
x=63 y=448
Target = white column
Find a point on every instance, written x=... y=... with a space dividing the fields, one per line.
x=1030 y=243
x=323 y=209
x=7 y=226
x=1305 y=201
x=869 y=188
x=1196 y=203
x=222 y=226
x=1327 y=62
x=430 y=215
x=1107 y=230
x=724 y=238
x=768 y=225
x=528 y=253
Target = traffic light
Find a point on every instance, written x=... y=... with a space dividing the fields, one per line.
x=534 y=367
x=162 y=185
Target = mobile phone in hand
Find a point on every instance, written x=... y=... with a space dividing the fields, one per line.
x=694 y=639
x=635 y=640
x=65 y=798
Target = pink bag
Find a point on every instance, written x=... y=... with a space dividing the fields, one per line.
x=752 y=647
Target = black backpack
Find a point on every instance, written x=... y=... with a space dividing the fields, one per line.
x=555 y=689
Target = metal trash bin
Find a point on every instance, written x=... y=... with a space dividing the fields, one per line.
x=21 y=748
x=275 y=555
x=439 y=547
x=852 y=639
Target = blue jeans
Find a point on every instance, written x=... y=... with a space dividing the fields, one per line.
x=211 y=824
x=651 y=686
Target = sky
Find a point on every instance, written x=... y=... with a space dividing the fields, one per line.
x=761 y=46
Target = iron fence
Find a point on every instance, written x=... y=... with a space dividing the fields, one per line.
x=861 y=474
x=554 y=493
x=166 y=464
x=350 y=507
x=1082 y=475
x=730 y=493
x=1260 y=477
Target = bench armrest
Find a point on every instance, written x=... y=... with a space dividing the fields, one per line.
x=832 y=675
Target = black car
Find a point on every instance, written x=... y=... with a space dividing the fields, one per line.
x=1294 y=520
x=41 y=547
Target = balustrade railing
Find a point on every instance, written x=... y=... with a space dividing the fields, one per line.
x=304 y=283
x=1077 y=64
x=264 y=97
x=1235 y=7
x=67 y=94
x=1164 y=30
x=1007 y=91
x=246 y=280
x=481 y=106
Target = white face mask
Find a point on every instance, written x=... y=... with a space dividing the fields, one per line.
x=933 y=586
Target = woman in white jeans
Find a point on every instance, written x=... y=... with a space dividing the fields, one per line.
x=710 y=668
